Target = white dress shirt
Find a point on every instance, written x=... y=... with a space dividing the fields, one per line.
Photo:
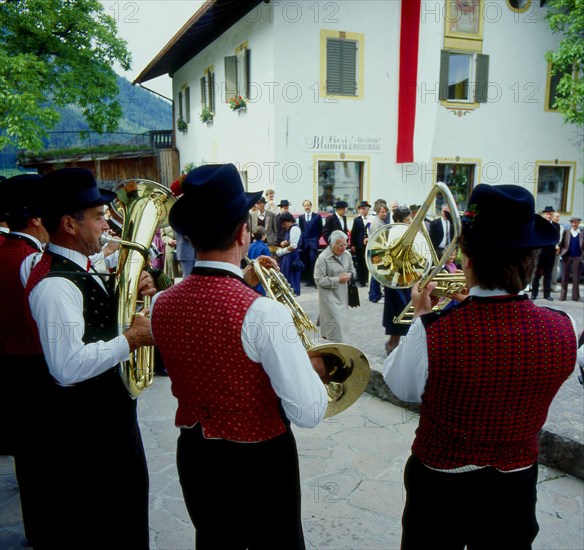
x=269 y=337
x=56 y=305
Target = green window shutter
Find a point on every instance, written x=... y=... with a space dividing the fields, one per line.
x=203 y=93
x=180 y=105
x=246 y=72
x=230 y=77
x=333 y=66
x=341 y=67
x=554 y=81
x=349 y=65
x=188 y=104
x=482 y=78
x=211 y=84
x=444 y=66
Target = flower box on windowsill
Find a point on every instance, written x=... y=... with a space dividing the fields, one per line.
x=207 y=116
x=237 y=103
x=181 y=125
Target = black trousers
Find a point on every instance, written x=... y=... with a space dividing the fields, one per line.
x=361 y=266
x=241 y=495
x=26 y=385
x=545 y=265
x=483 y=509
x=96 y=465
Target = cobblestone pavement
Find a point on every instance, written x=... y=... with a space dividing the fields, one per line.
x=351 y=467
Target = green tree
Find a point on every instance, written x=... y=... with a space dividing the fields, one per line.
x=567 y=17
x=55 y=53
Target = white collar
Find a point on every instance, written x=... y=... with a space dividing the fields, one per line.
x=485 y=292
x=226 y=266
x=29 y=236
x=76 y=257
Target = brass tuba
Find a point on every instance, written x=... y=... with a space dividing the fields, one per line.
x=144 y=206
x=348 y=369
x=400 y=255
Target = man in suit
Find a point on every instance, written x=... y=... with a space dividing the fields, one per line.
x=441 y=231
x=337 y=221
x=25 y=378
x=545 y=263
x=262 y=217
x=311 y=226
x=572 y=252
x=359 y=238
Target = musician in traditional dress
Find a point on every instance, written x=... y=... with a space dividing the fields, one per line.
x=94 y=458
x=485 y=372
x=25 y=378
x=239 y=375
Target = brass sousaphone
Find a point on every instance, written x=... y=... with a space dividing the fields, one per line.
x=144 y=206
x=349 y=377
x=400 y=255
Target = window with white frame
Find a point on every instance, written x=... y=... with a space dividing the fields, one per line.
x=339 y=180
x=552 y=187
x=460 y=179
x=464 y=76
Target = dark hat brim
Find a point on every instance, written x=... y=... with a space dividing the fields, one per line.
x=186 y=217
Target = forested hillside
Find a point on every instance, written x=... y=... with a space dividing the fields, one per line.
x=143 y=111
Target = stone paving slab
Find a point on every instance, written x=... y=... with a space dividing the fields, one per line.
x=351 y=465
x=562 y=438
x=351 y=470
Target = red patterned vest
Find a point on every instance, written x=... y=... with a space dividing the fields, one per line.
x=18 y=331
x=197 y=327
x=495 y=365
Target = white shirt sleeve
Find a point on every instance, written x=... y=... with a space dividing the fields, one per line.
x=295 y=233
x=269 y=337
x=57 y=307
x=405 y=370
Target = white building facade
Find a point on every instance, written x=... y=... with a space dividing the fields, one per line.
x=336 y=107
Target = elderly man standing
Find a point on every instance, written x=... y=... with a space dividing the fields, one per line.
x=239 y=378
x=485 y=372
x=95 y=463
x=572 y=252
x=332 y=273
x=337 y=221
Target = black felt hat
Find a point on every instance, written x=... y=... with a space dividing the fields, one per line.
x=284 y=202
x=20 y=197
x=217 y=185
x=362 y=204
x=504 y=216
x=70 y=190
x=341 y=204
x=548 y=209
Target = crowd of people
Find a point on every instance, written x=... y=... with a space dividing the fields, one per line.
x=71 y=425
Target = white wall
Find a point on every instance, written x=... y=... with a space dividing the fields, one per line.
x=241 y=137
x=272 y=139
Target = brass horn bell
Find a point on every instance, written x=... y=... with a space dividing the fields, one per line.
x=400 y=255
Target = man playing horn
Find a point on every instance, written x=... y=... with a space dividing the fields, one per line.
x=240 y=377
x=485 y=376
